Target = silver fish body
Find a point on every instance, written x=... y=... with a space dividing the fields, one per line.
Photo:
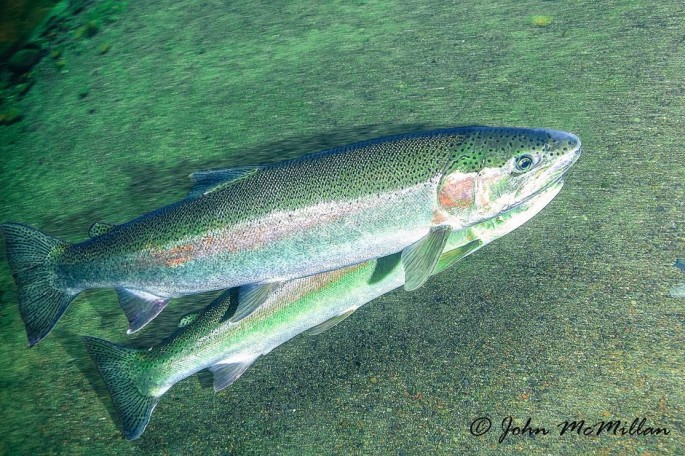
x=269 y=224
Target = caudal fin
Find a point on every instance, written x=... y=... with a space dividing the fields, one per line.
x=31 y=257
x=121 y=368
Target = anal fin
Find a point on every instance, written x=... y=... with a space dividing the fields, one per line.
x=420 y=258
x=225 y=374
x=140 y=307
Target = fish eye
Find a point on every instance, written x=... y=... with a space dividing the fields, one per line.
x=523 y=163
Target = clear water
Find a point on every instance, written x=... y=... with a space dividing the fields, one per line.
x=567 y=318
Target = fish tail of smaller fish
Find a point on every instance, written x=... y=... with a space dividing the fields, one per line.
x=121 y=368
x=32 y=258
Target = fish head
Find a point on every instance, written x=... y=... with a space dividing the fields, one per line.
x=464 y=242
x=493 y=170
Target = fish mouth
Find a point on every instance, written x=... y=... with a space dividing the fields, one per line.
x=570 y=146
x=552 y=185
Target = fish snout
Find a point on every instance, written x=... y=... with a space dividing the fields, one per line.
x=564 y=143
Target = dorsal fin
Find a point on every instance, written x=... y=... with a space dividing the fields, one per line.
x=250 y=297
x=188 y=319
x=99 y=228
x=218 y=311
x=215 y=179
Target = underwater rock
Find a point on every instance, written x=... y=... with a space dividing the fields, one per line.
x=10 y=116
x=541 y=21
x=88 y=30
x=680 y=264
x=23 y=60
x=678 y=291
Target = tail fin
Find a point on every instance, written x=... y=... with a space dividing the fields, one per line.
x=31 y=257
x=120 y=367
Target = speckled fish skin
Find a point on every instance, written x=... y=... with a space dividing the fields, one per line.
x=296 y=218
x=212 y=341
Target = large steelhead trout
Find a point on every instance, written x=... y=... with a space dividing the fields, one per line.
x=263 y=225
x=228 y=345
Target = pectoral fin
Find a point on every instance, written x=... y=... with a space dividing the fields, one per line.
x=447 y=259
x=420 y=258
x=225 y=374
x=215 y=179
x=140 y=307
x=328 y=324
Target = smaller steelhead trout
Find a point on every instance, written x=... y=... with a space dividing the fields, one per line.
x=264 y=225
x=227 y=346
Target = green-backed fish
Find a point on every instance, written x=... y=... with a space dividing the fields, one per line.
x=228 y=343
x=264 y=225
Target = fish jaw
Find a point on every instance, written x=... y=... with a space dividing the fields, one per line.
x=504 y=223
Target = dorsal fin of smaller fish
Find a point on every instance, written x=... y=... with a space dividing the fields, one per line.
x=215 y=179
x=99 y=228
x=188 y=319
x=250 y=297
x=221 y=309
